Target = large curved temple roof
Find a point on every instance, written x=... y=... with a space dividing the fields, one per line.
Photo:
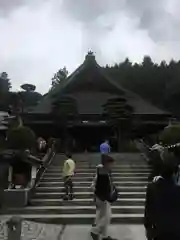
x=91 y=88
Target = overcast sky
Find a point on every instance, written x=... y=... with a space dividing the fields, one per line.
x=37 y=37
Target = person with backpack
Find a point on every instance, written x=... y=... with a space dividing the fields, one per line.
x=105 y=194
x=162 y=206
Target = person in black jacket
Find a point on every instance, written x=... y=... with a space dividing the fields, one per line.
x=103 y=189
x=162 y=207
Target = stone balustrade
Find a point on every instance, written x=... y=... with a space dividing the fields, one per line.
x=18 y=194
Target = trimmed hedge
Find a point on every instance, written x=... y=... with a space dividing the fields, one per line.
x=130 y=146
x=21 y=138
x=170 y=135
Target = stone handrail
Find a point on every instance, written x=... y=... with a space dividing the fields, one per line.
x=23 y=195
x=144 y=150
x=46 y=162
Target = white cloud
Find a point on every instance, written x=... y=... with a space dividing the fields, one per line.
x=37 y=40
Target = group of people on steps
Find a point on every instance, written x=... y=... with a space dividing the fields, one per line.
x=105 y=192
x=162 y=203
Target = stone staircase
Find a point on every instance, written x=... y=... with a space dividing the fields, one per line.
x=129 y=174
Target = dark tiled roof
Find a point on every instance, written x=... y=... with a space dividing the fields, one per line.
x=90 y=102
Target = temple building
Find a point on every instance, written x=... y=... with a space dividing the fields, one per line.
x=75 y=108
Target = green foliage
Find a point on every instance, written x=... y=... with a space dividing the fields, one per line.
x=130 y=146
x=15 y=122
x=171 y=135
x=64 y=108
x=5 y=86
x=29 y=98
x=21 y=138
x=28 y=87
x=3 y=144
x=23 y=99
x=59 y=77
x=159 y=84
x=15 y=102
x=117 y=110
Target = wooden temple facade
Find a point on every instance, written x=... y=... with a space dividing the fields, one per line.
x=89 y=89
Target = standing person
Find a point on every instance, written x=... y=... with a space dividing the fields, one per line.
x=105 y=149
x=105 y=194
x=68 y=173
x=162 y=207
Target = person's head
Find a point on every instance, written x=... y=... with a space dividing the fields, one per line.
x=106 y=141
x=107 y=162
x=68 y=155
x=169 y=172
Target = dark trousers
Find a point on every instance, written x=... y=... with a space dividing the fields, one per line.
x=68 y=185
x=167 y=237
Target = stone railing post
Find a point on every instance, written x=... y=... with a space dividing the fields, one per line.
x=14 y=228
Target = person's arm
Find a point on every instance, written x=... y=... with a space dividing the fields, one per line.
x=64 y=168
x=93 y=184
x=109 y=149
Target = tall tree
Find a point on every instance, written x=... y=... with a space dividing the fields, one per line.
x=59 y=77
x=65 y=111
x=28 y=87
x=29 y=97
x=5 y=86
x=158 y=84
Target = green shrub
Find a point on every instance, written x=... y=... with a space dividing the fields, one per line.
x=16 y=122
x=2 y=143
x=21 y=138
x=130 y=147
x=170 y=135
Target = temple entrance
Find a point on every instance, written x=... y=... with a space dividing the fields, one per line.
x=88 y=138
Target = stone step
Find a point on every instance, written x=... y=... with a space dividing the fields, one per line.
x=92 y=174
x=116 y=166
x=78 y=218
x=82 y=170
x=86 y=159
x=85 y=201
x=80 y=195
x=85 y=189
x=87 y=183
x=94 y=164
x=90 y=178
x=72 y=210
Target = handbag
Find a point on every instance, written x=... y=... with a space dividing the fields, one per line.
x=114 y=192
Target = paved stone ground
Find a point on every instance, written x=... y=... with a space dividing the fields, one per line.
x=121 y=232
x=35 y=231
